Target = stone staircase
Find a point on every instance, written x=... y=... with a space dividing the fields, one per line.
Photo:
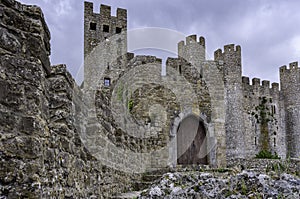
x=152 y=176
x=146 y=181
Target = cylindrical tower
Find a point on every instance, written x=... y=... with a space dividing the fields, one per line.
x=234 y=124
x=290 y=90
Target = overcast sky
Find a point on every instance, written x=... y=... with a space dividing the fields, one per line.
x=267 y=30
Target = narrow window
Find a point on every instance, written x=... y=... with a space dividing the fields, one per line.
x=93 y=26
x=108 y=66
x=106 y=81
x=105 y=28
x=118 y=30
x=180 y=69
x=255 y=141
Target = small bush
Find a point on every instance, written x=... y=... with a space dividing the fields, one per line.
x=266 y=155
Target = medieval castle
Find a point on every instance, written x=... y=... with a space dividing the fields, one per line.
x=61 y=140
x=206 y=98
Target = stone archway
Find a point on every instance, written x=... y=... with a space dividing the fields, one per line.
x=191 y=142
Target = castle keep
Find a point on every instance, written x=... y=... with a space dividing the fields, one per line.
x=61 y=140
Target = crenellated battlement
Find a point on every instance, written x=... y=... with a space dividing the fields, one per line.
x=262 y=86
x=245 y=80
x=290 y=81
x=100 y=26
x=266 y=84
x=218 y=54
x=290 y=77
x=258 y=83
x=192 y=50
x=292 y=68
x=192 y=39
x=232 y=47
x=105 y=11
x=121 y=14
x=275 y=86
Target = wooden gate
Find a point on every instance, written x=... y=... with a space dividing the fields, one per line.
x=191 y=142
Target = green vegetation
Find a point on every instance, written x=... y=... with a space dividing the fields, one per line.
x=264 y=125
x=130 y=105
x=244 y=187
x=263 y=117
x=264 y=154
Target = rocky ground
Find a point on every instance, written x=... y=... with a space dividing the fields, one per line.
x=244 y=184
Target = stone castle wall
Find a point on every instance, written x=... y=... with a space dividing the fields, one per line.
x=261 y=99
x=41 y=153
x=62 y=141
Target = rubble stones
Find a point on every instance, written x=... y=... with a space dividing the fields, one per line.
x=246 y=184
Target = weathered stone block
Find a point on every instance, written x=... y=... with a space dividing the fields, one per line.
x=9 y=41
x=23 y=147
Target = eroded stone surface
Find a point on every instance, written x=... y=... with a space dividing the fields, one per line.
x=246 y=184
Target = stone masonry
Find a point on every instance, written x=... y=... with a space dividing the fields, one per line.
x=61 y=140
x=241 y=119
x=41 y=153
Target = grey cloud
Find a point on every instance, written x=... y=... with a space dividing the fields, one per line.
x=264 y=28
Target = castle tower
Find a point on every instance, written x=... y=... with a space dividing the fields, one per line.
x=290 y=88
x=105 y=41
x=100 y=27
x=230 y=59
x=193 y=51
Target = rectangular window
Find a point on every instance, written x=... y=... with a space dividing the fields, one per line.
x=118 y=30
x=105 y=28
x=106 y=81
x=93 y=26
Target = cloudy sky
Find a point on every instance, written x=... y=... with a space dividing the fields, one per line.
x=267 y=30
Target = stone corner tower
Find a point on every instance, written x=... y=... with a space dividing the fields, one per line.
x=290 y=88
x=230 y=59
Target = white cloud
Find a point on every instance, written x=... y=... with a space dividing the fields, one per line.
x=63 y=7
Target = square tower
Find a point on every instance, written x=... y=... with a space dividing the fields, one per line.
x=105 y=43
x=102 y=26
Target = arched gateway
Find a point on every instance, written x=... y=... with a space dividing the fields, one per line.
x=191 y=142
